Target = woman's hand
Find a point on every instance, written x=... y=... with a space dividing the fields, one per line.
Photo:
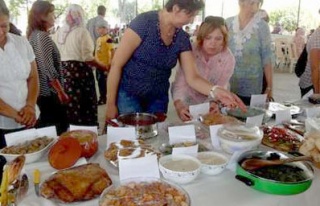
x=268 y=92
x=214 y=108
x=227 y=99
x=182 y=111
x=111 y=111
x=27 y=116
x=63 y=97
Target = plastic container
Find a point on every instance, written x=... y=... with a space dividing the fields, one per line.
x=239 y=137
x=87 y=139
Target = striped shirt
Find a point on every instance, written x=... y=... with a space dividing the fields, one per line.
x=313 y=43
x=48 y=60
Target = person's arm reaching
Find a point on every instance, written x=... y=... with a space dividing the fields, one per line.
x=203 y=86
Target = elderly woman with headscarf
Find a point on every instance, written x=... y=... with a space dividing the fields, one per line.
x=250 y=42
x=76 y=48
x=300 y=40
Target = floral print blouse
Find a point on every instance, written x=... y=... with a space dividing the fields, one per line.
x=251 y=47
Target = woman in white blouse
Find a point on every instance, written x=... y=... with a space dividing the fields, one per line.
x=19 y=83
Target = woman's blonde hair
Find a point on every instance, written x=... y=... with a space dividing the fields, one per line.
x=209 y=25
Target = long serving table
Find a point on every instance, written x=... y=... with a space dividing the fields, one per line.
x=220 y=190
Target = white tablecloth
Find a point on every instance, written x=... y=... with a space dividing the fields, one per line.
x=220 y=190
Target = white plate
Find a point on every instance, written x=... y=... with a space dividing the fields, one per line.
x=274 y=107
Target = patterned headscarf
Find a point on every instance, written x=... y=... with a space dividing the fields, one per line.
x=300 y=32
x=74 y=18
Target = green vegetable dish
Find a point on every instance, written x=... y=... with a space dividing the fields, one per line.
x=281 y=173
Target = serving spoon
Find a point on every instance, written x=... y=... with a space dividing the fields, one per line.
x=255 y=163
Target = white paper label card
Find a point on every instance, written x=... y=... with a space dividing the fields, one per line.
x=21 y=136
x=139 y=167
x=258 y=100
x=78 y=127
x=180 y=134
x=233 y=161
x=306 y=96
x=313 y=112
x=47 y=131
x=255 y=120
x=199 y=109
x=283 y=116
x=81 y=161
x=191 y=150
x=116 y=134
x=214 y=136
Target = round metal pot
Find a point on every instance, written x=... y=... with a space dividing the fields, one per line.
x=145 y=124
x=273 y=186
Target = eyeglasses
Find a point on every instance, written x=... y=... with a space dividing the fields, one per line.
x=215 y=19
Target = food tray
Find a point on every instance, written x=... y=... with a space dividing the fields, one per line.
x=30 y=157
x=281 y=139
x=251 y=112
x=76 y=184
x=127 y=149
x=166 y=148
x=145 y=191
x=274 y=107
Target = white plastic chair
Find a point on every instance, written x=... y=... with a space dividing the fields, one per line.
x=293 y=56
x=281 y=50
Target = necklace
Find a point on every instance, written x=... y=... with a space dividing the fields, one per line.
x=167 y=33
x=165 y=28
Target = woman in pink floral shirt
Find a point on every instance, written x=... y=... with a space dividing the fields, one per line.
x=214 y=60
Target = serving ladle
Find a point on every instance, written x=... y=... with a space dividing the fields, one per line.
x=255 y=163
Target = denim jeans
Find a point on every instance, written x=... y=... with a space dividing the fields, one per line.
x=128 y=103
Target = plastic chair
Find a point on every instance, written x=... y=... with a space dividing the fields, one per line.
x=293 y=56
x=281 y=50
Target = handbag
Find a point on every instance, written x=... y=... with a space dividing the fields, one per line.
x=301 y=63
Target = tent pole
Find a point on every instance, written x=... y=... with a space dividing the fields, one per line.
x=298 y=18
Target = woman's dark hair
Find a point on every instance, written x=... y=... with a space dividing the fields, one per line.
x=38 y=10
x=190 y=6
x=101 y=10
x=4 y=9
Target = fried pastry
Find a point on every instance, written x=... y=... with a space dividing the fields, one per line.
x=127 y=149
x=214 y=119
x=80 y=183
x=15 y=168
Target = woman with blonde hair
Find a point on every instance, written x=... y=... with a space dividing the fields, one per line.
x=214 y=61
x=76 y=48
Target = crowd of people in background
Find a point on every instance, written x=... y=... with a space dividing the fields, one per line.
x=227 y=62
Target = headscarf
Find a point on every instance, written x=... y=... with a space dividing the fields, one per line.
x=74 y=17
x=300 y=32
